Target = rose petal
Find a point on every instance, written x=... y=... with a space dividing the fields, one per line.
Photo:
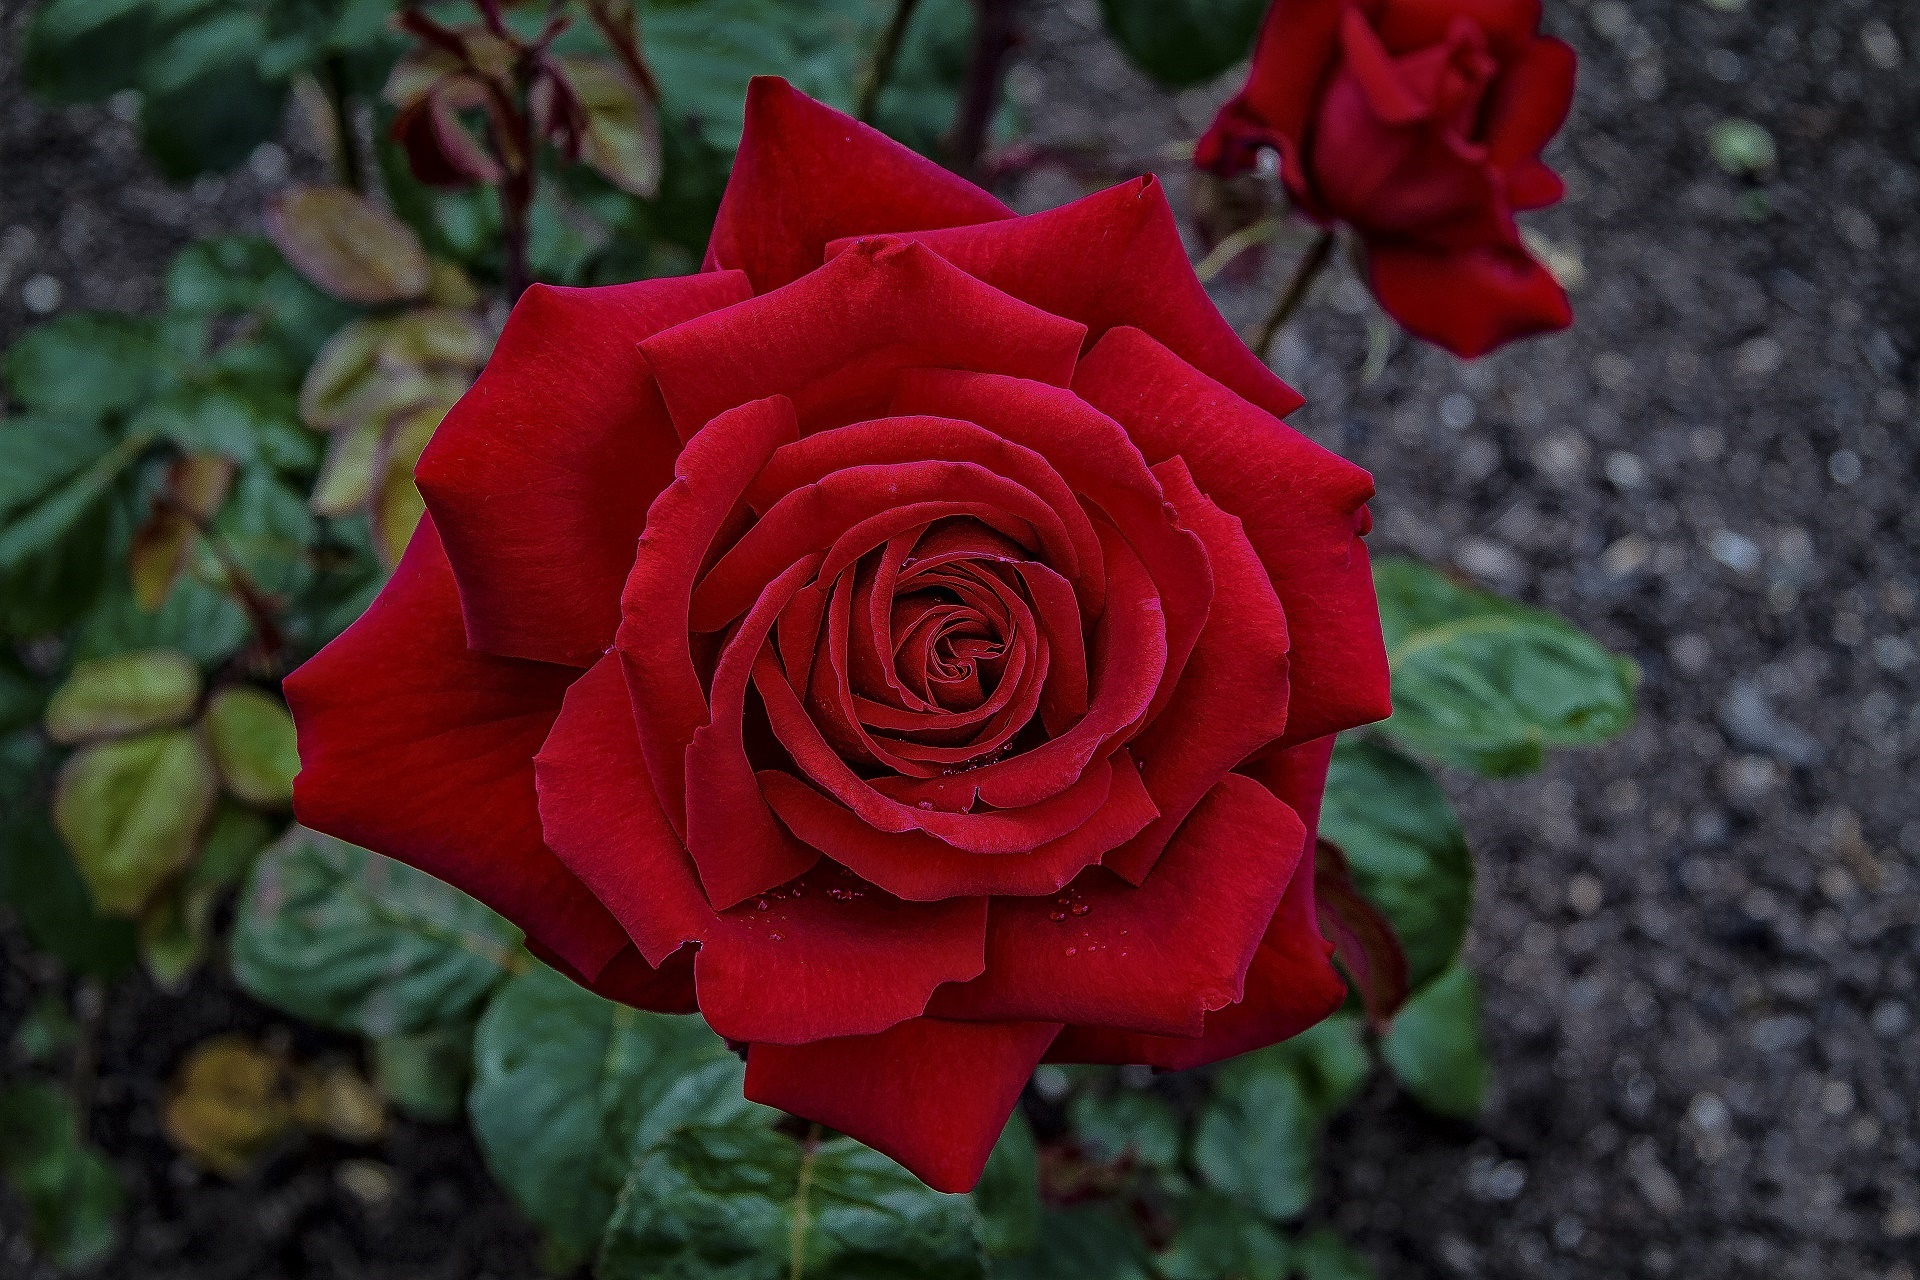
x=833 y=339
x=1407 y=25
x=1302 y=507
x=416 y=747
x=1156 y=958
x=1467 y=302
x=711 y=475
x=539 y=479
x=1113 y=258
x=778 y=213
x=1529 y=104
x=933 y=1095
x=1232 y=698
x=630 y=980
x=919 y=868
x=837 y=958
x=1292 y=56
x=1291 y=984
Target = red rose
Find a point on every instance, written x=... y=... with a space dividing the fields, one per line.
x=914 y=642
x=1419 y=123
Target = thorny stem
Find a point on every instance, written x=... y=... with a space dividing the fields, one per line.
x=1295 y=293
x=993 y=39
x=346 y=149
x=884 y=54
x=257 y=605
x=797 y=1238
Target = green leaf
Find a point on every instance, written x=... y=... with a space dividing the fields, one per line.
x=84 y=50
x=128 y=693
x=1405 y=848
x=354 y=941
x=747 y=1203
x=1094 y=1242
x=131 y=811
x=1008 y=1196
x=1127 y=1122
x=1434 y=1047
x=569 y=1089
x=425 y=1073
x=245 y=275
x=206 y=105
x=1258 y=1137
x=1488 y=684
x=46 y=1032
x=269 y=527
x=1183 y=42
x=204 y=420
x=57 y=523
x=85 y=365
x=40 y=882
x=1218 y=1237
x=72 y=1194
x=201 y=622
x=252 y=740
x=21 y=697
x=174 y=931
x=1322 y=1255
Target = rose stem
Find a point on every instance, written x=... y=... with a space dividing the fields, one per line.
x=883 y=58
x=254 y=602
x=1295 y=293
x=993 y=37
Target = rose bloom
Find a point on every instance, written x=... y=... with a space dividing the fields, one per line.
x=914 y=642
x=1419 y=123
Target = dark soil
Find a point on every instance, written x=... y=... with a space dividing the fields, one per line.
x=1699 y=946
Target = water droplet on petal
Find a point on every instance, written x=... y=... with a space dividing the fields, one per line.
x=760 y=905
x=1080 y=908
x=776 y=937
x=1073 y=951
x=1056 y=916
x=926 y=804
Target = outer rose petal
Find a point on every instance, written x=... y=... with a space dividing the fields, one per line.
x=1405 y=25
x=1468 y=302
x=1110 y=259
x=1303 y=509
x=1291 y=59
x=629 y=979
x=1155 y=958
x=416 y=747
x=1290 y=985
x=1231 y=700
x=1529 y=103
x=807 y=174
x=933 y=1095
x=539 y=479
x=833 y=339
x=838 y=958
x=711 y=475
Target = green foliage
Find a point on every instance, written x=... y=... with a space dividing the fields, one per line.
x=71 y=1192
x=1322 y=1255
x=355 y=941
x=1434 y=1045
x=252 y=740
x=425 y=1073
x=746 y=1202
x=1257 y=1140
x=131 y=811
x=1008 y=1196
x=1405 y=848
x=1183 y=42
x=39 y=881
x=1128 y=1123
x=1218 y=1238
x=1091 y=1242
x=126 y=693
x=570 y=1090
x=1488 y=684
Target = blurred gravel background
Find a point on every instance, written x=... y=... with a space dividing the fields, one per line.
x=1699 y=947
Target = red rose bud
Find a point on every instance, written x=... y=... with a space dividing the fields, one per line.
x=1419 y=123
x=915 y=642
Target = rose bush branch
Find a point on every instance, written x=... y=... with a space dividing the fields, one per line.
x=880 y=68
x=1299 y=285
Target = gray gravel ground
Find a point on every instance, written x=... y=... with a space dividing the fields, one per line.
x=1698 y=946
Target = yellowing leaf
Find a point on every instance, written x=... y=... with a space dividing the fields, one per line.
x=230 y=1101
x=252 y=739
x=375 y=368
x=131 y=811
x=346 y=474
x=398 y=506
x=196 y=486
x=450 y=287
x=338 y=1102
x=351 y=248
x=126 y=693
x=623 y=130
